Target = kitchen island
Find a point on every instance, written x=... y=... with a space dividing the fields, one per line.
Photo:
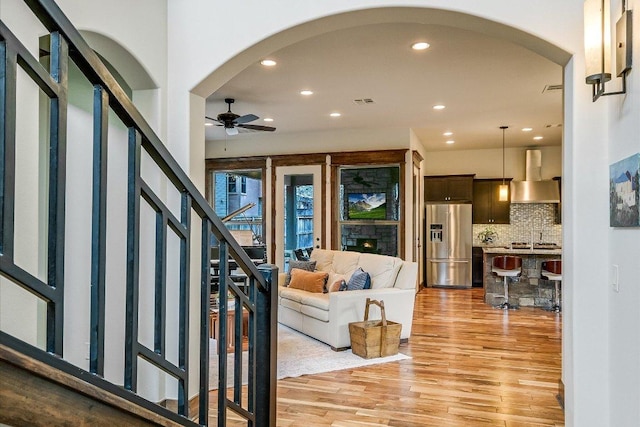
x=529 y=289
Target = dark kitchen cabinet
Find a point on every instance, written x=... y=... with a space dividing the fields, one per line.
x=449 y=188
x=558 y=206
x=487 y=207
x=477 y=267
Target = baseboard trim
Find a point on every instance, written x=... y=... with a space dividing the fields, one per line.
x=560 y=395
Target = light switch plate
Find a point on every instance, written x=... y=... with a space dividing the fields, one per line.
x=614 y=278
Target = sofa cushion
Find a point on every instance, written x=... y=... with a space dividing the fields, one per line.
x=360 y=279
x=315 y=312
x=346 y=263
x=382 y=269
x=292 y=294
x=323 y=259
x=298 y=296
x=310 y=281
x=293 y=305
x=319 y=301
x=302 y=265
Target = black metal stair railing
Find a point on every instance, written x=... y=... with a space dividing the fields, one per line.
x=258 y=407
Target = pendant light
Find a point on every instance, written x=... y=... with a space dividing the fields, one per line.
x=503 y=191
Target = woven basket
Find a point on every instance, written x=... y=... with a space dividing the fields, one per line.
x=375 y=338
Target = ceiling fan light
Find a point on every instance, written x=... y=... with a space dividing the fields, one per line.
x=231 y=131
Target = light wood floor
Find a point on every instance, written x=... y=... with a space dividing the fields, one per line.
x=471 y=365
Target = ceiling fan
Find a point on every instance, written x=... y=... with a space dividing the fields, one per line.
x=232 y=121
x=358 y=179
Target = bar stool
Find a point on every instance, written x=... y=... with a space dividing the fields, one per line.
x=552 y=270
x=506 y=266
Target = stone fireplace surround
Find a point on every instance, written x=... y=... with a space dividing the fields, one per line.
x=385 y=236
x=371 y=179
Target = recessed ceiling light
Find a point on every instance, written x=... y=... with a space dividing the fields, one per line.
x=335 y=114
x=268 y=62
x=420 y=46
x=527 y=129
x=208 y=124
x=538 y=138
x=268 y=119
x=447 y=134
x=306 y=92
x=438 y=107
x=451 y=141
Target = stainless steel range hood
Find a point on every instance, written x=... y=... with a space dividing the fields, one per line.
x=534 y=189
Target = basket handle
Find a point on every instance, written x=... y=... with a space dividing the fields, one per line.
x=379 y=304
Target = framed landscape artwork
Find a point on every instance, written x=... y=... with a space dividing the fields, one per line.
x=624 y=200
x=367 y=206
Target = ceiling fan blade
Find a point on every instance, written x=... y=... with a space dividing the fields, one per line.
x=257 y=127
x=213 y=119
x=231 y=131
x=245 y=119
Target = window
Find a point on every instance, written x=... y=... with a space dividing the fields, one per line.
x=232 y=183
x=237 y=194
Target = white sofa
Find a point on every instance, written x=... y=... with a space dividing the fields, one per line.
x=326 y=316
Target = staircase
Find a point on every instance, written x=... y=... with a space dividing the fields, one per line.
x=161 y=374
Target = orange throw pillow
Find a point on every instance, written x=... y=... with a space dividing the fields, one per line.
x=310 y=281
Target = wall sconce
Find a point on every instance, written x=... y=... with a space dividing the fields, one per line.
x=503 y=189
x=597 y=45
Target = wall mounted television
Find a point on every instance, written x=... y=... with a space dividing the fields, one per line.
x=367 y=206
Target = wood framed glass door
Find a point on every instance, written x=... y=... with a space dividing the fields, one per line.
x=298 y=212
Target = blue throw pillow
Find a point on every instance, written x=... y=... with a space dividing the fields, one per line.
x=359 y=280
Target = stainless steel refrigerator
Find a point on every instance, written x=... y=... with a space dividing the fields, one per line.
x=449 y=245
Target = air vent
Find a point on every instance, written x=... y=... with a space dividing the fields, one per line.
x=363 y=101
x=551 y=88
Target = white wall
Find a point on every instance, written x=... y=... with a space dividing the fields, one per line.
x=327 y=141
x=488 y=163
x=115 y=30
x=20 y=312
x=622 y=140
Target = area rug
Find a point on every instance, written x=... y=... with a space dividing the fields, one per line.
x=299 y=354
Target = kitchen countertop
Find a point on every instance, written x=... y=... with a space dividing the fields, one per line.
x=506 y=251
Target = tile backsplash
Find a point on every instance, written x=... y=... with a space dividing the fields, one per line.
x=528 y=220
